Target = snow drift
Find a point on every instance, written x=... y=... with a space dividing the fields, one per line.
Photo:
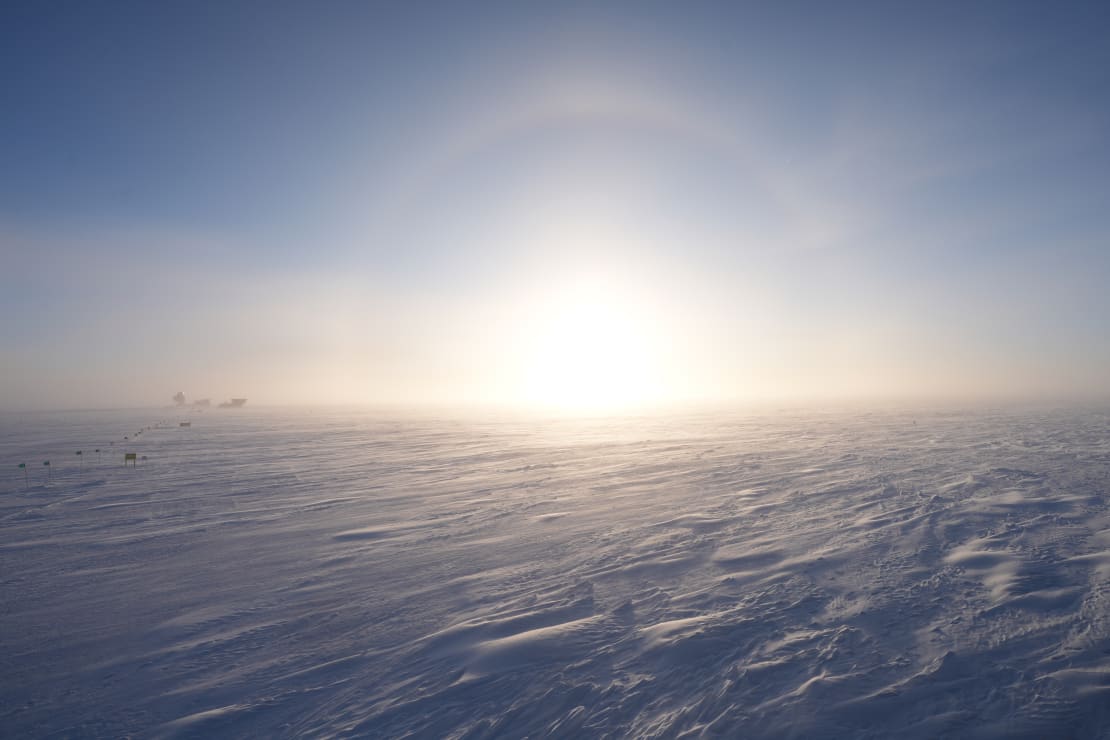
x=352 y=575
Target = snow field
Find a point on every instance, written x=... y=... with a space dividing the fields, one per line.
x=818 y=574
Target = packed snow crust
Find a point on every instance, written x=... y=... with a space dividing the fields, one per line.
x=855 y=574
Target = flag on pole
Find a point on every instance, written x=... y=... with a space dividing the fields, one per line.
x=78 y=452
x=23 y=465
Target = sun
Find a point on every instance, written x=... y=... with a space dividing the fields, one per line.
x=591 y=347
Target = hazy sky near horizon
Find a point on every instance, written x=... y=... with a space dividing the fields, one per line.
x=552 y=203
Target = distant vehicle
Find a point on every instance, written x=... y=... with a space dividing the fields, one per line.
x=234 y=403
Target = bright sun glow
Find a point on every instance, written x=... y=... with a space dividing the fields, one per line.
x=591 y=348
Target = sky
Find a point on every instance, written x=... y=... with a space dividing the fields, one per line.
x=563 y=205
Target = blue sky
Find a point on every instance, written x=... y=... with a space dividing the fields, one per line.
x=402 y=201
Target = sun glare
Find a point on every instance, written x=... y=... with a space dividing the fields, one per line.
x=592 y=349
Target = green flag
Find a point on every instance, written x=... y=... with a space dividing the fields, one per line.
x=47 y=463
x=78 y=452
x=23 y=465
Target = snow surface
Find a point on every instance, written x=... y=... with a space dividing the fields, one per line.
x=852 y=574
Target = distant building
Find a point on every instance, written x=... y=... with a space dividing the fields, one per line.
x=179 y=398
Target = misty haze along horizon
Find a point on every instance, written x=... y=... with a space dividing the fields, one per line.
x=584 y=207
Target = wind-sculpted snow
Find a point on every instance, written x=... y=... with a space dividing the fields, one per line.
x=265 y=574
